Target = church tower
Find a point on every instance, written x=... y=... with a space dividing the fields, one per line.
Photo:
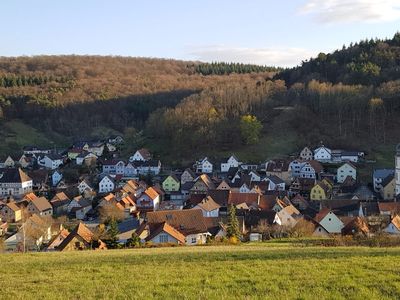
x=397 y=170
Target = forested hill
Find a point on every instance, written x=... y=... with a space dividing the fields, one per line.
x=180 y=110
x=368 y=62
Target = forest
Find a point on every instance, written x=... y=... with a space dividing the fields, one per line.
x=178 y=109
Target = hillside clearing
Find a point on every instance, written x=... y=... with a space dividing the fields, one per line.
x=248 y=271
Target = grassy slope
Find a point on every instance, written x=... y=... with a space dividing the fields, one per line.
x=249 y=271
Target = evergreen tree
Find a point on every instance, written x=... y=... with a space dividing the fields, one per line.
x=112 y=233
x=232 y=230
x=134 y=241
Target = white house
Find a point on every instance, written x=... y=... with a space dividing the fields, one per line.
x=352 y=156
x=106 y=185
x=130 y=170
x=275 y=183
x=84 y=186
x=14 y=182
x=149 y=200
x=323 y=154
x=209 y=207
x=254 y=176
x=56 y=178
x=231 y=162
x=115 y=167
x=50 y=161
x=204 y=166
x=394 y=226
x=347 y=169
x=295 y=167
x=311 y=169
x=147 y=167
x=141 y=155
x=328 y=220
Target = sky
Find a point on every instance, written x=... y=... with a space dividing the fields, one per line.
x=266 y=32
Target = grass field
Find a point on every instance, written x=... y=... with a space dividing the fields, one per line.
x=252 y=271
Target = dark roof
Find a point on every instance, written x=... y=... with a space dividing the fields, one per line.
x=80 y=230
x=387 y=180
x=13 y=175
x=220 y=196
x=128 y=225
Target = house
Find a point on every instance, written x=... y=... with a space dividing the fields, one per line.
x=11 y=212
x=306 y=154
x=141 y=155
x=165 y=233
x=29 y=150
x=106 y=184
x=224 y=185
x=81 y=238
x=60 y=204
x=209 y=207
x=26 y=161
x=352 y=156
x=95 y=147
x=288 y=216
x=202 y=184
x=394 y=225
x=147 y=167
x=130 y=170
x=79 y=207
x=8 y=163
x=231 y=162
x=40 y=178
x=321 y=191
x=379 y=176
x=14 y=182
x=295 y=167
x=56 y=178
x=345 y=170
x=33 y=233
x=187 y=176
x=57 y=240
x=275 y=183
x=126 y=228
x=148 y=201
x=87 y=158
x=171 y=184
x=279 y=168
x=329 y=221
x=388 y=190
x=203 y=166
x=323 y=154
x=188 y=222
x=311 y=169
x=116 y=139
x=114 y=167
x=40 y=206
x=356 y=225
x=85 y=187
x=51 y=161
x=389 y=208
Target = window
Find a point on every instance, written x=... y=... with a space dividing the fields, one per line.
x=194 y=240
x=163 y=238
x=330 y=219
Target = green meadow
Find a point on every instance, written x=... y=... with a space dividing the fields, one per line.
x=251 y=271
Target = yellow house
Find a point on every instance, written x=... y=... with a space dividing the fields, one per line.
x=388 y=188
x=320 y=191
x=171 y=184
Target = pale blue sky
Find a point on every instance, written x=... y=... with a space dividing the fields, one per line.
x=253 y=31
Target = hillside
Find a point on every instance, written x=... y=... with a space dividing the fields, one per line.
x=368 y=62
x=181 y=110
x=214 y=272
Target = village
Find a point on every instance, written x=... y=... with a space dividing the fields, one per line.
x=69 y=200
